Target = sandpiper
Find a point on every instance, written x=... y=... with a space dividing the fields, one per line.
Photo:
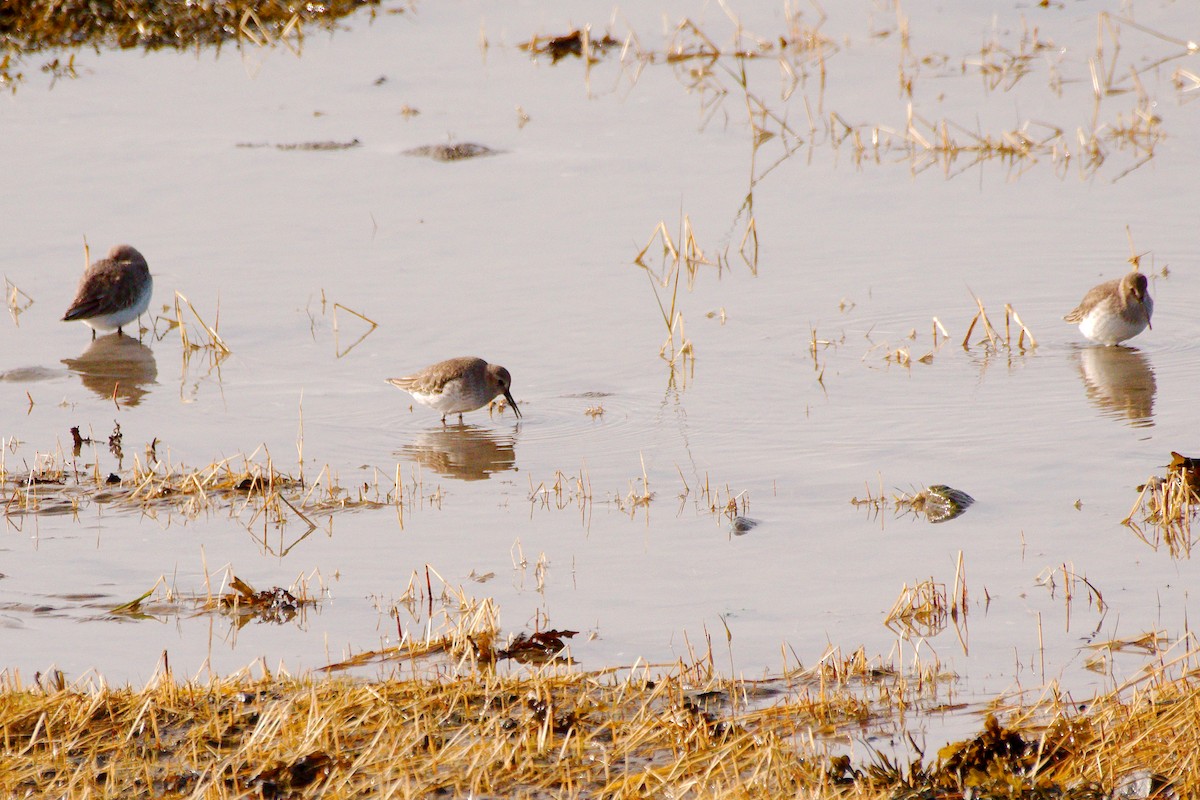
x=458 y=385
x=113 y=291
x=1115 y=311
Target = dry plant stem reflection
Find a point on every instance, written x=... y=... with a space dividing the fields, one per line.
x=715 y=73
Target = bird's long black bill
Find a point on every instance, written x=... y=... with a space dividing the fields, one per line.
x=508 y=396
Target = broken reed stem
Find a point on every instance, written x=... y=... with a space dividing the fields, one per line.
x=1008 y=309
x=215 y=340
x=937 y=326
x=363 y=317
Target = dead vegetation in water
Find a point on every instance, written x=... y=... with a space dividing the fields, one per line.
x=935 y=503
x=991 y=339
x=483 y=728
x=475 y=717
x=453 y=151
x=32 y=27
x=682 y=256
x=330 y=309
x=248 y=487
x=1166 y=505
x=925 y=609
x=554 y=730
x=565 y=491
x=235 y=599
x=16 y=301
x=326 y=145
x=725 y=72
x=578 y=43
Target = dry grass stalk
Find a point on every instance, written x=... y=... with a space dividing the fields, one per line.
x=214 y=339
x=18 y=302
x=1049 y=577
x=340 y=352
x=727 y=506
x=991 y=337
x=676 y=347
x=637 y=497
x=750 y=237
x=562 y=492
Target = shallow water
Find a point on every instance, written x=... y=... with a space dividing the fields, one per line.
x=526 y=258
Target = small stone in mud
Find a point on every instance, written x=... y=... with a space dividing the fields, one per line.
x=742 y=525
x=452 y=152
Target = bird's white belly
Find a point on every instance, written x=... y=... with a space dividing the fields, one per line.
x=1109 y=328
x=451 y=399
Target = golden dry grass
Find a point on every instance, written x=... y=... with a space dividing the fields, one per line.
x=249 y=487
x=1163 y=512
x=560 y=732
x=27 y=28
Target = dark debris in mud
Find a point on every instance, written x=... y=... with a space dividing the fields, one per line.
x=452 y=152
x=570 y=44
x=537 y=648
x=275 y=605
x=305 y=146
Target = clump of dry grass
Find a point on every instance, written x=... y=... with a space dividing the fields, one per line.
x=32 y=27
x=721 y=502
x=476 y=729
x=1167 y=505
x=466 y=727
x=562 y=491
x=920 y=610
x=252 y=489
x=209 y=340
x=992 y=339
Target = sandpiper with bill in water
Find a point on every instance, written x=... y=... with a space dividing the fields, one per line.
x=113 y=292
x=1115 y=311
x=458 y=385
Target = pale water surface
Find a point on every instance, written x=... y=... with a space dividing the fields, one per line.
x=526 y=258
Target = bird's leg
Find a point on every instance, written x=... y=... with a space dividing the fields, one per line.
x=460 y=418
x=93 y=334
x=443 y=420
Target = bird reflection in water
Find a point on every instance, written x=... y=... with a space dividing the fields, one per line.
x=116 y=365
x=466 y=452
x=1120 y=382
